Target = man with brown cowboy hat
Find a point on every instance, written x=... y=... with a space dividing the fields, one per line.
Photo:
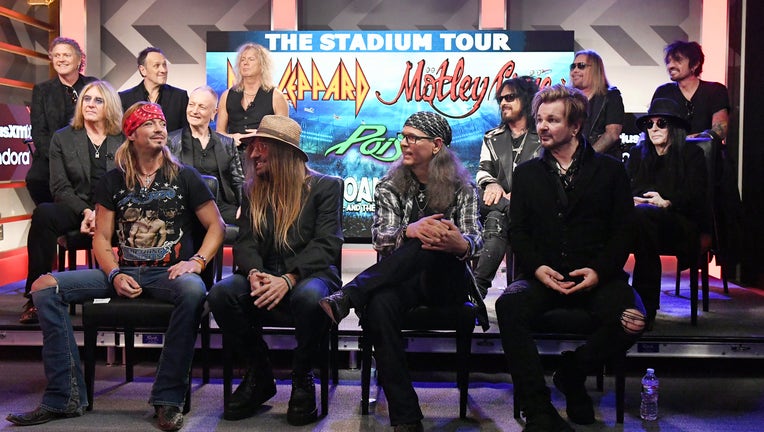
x=290 y=235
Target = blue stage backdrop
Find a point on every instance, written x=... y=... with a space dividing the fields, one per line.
x=351 y=92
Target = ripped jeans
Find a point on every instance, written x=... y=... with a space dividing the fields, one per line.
x=495 y=239
x=66 y=391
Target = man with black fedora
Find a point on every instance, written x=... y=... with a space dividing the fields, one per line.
x=290 y=236
x=668 y=182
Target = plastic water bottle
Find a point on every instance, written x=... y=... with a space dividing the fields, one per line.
x=648 y=409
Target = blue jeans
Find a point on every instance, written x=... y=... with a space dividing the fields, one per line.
x=240 y=319
x=66 y=391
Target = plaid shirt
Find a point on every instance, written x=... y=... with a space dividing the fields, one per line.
x=394 y=209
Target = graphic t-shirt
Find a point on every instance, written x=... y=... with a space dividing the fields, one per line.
x=154 y=225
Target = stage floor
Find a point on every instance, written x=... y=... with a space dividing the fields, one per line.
x=732 y=328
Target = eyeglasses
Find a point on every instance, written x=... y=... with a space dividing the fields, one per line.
x=661 y=123
x=579 y=65
x=412 y=139
x=255 y=144
x=72 y=94
x=510 y=97
x=96 y=100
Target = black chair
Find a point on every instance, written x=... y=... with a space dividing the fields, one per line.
x=69 y=244
x=575 y=326
x=456 y=322
x=144 y=315
x=231 y=232
x=128 y=315
x=699 y=256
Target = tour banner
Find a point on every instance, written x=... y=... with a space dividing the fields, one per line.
x=15 y=157
x=351 y=91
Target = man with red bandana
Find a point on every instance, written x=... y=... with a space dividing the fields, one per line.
x=147 y=178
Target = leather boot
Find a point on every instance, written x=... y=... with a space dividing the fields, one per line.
x=302 y=403
x=255 y=389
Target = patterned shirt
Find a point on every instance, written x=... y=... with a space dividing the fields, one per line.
x=394 y=209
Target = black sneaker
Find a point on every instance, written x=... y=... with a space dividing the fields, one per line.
x=570 y=382
x=302 y=402
x=255 y=389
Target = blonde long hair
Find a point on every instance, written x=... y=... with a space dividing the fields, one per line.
x=111 y=105
x=283 y=191
x=124 y=158
x=263 y=59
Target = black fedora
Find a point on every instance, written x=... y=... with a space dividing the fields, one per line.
x=667 y=109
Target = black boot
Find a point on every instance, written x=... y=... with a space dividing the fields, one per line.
x=544 y=418
x=570 y=379
x=302 y=403
x=255 y=389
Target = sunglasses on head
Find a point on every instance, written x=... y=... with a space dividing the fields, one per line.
x=661 y=123
x=509 y=97
x=579 y=65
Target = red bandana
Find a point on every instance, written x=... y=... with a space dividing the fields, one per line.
x=141 y=115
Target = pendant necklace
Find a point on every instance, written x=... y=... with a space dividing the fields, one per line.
x=421 y=200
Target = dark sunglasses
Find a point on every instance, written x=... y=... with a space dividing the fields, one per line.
x=72 y=94
x=661 y=123
x=510 y=97
x=580 y=65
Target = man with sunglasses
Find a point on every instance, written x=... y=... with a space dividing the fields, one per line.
x=706 y=103
x=511 y=143
x=668 y=182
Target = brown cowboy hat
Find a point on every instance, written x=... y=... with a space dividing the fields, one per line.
x=282 y=129
x=667 y=109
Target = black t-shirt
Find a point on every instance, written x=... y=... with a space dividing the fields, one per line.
x=154 y=224
x=709 y=98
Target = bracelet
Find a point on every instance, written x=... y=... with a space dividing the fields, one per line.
x=288 y=281
x=200 y=259
x=113 y=274
x=466 y=253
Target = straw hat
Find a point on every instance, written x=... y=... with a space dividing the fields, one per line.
x=667 y=109
x=282 y=129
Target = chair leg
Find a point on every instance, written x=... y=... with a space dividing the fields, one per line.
x=187 y=403
x=678 y=278
x=61 y=258
x=72 y=253
x=464 y=350
x=129 y=353
x=365 y=374
x=704 y=281
x=334 y=349
x=620 y=387
x=694 y=294
x=227 y=369
x=205 y=335
x=91 y=336
x=324 y=376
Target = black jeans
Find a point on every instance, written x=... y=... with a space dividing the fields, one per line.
x=49 y=220
x=526 y=300
x=384 y=293
x=658 y=230
x=240 y=319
